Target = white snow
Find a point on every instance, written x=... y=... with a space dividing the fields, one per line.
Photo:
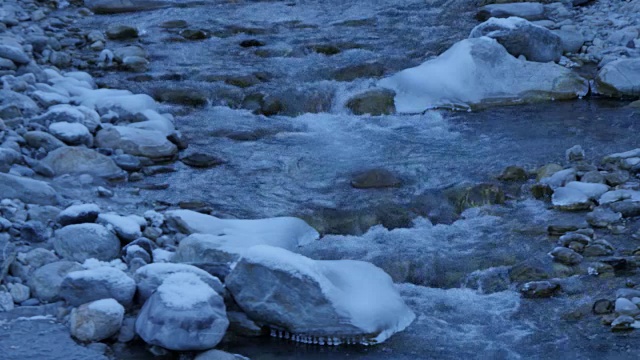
x=68 y=130
x=284 y=232
x=184 y=290
x=565 y=197
x=95 y=263
x=162 y=255
x=107 y=306
x=358 y=290
x=592 y=190
x=104 y=273
x=154 y=218
x=78 y=210
x=125 y=226
x=156 y=122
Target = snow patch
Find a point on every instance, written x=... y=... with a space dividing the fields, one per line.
x=184 y=290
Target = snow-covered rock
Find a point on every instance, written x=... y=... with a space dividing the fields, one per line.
x=570 y=199
x=156 y=122
x=123 y=104
x=184 y=314
x=520 y=37
x=592 y=190
x=619 y=195
x=284 y=232
x=80 y=160
x=78 y=214
x=28 y=190
x=619 y=78
x=61 y=113
x=479 y=72
x=210 y=249
x=14 y=53
x=140 y=142
x=97 y=320
x=46 y=280
x=149 y=277
x=103 y=282
x=80 y=242
x=318 y=301
x=559 y=178
x=219 y=355
x=71 y=133
x=127 y=228
x=525 y=10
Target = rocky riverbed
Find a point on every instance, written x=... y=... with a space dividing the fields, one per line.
x=285 y=180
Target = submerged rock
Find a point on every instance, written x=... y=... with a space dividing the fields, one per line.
x=322 y=301
x=183 y=314
x=477 y=73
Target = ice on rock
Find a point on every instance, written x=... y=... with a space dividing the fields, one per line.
x=480 y=72
x=320 y=298
x=284 y=232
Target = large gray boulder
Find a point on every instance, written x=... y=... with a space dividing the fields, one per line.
x=14 y=53
x=341 y=301
x=104 y=282
x=41 y=139
x=97 y=320
x=478 y=73
x=46 y=280
x=149 y=277
x=176 y=315
x=139 y=142
x=620 y=78
x=27 y=190
x=80 y=160
x=80 y=242
x=521 y=37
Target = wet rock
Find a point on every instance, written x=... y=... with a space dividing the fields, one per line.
x=251 y=43
x=127 y=162
x=97 y=320
x=80 y=287
x=46 y=280
x=352 y=72
x=623 y=323
x=617 y=177
x=201 y=160
x=27 y=190
x=138 y=142
x=465 y=196
x=195 y=34
x=121 y=32
x=540 y=289
x=23 y=104
x=628 y=208
x=526 y=10
x=78 y=214
x=603 y=217
x=135 y=63
x=7 y=255
x=80 y=242
x=240 y=324
x=149 y=277
x=375 y=179
x=181 y=96
x=173 y=24
x=373 y=102
x=119 y=54
x=34 y=232
x=566 y=256
x=521 y=37
x=80 y=160
x=122 y=6
x=307 y=306
x=619 y=78
x=594 y=177
x=513 y=173
x=175 y=314
x=570 y=199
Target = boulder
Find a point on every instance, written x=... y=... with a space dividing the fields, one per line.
x=373 y=102
x=176 y=314
x=572 y=41
x=78 y=214
x=14 y=53
x=520 y=37
x=27 y=190
x=121 y=32
x=526 y=10
x=127 y=228
x=619 y=78
x=318 y=301
x=570 y=199
x=71 y=133
x=80 y=242
x=97 y=320
x=80 y=160
x=23 y=103
x=103 y=282
x=139 y=142
x=46 y=280
x=479 y=72
x=149 y=277
x=121 y=6
x=41 y=139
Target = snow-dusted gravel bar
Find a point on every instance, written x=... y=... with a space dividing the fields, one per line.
x=307 y=179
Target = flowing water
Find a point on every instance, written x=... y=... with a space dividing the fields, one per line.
x=302 y=165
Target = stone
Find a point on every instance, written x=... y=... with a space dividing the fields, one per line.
x=623 y=323
x=540 y=289
x=138 y=142
x=572 y=41
x=513 y=173
x=19 y=292
x=127 y=228
x=150 y=276
x=526 y=10
x=6 y=302
x=46 y=280
x=304 y=297
x=619 y=78
x=627 y=208
x=626 y=307
x=135 y=63
x=40 y=139
x=575 y=154
x=602 y=217
x=7 y=254
x=14 y=53
x=521 y=37
x=375 y=179
x=616 y=178
x=218 y=355
x=97 y=320
x=182 y=96
x=374 y=102
x=566 y=256
x=27 y=190
x=594 y=177
x=195 y=34
x=123 y=6
x=121 y=32
x=80 y=160
x=23 y=104
x=103 y=282
x=78 y=214
x=80 y=242
x=570 y=199
x=486 y=75
x=34 y=232
x=175 y=314
x=119 y=54
x=127 y=162
x=352 y=72
x=202 y=160
x=71 y=133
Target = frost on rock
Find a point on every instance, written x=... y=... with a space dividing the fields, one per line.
x=150 y=276
x=479 y=72
x=318 y=301
x=284 y=232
